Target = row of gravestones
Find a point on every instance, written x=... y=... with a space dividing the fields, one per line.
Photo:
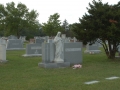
x=72 y=52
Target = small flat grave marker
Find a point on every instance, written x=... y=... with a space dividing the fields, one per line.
x=91 y=82
x=111 y=78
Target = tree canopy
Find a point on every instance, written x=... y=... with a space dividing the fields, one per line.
x=15 y=19
x=53 y=25
x=101 y=22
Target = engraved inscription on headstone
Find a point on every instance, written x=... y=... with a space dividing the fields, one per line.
x=33 y=50
x=73 y=52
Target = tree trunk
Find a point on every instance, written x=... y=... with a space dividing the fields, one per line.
x=111 y=54
x=110 y=50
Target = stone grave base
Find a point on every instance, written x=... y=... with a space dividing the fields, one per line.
x=15 y=49
x=3 y=61
x=95 y=51
x=31 y=55
x=54 y=65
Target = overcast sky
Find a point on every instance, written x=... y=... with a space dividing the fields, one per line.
x=71 y=10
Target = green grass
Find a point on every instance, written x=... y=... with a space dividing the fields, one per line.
x=23 y=73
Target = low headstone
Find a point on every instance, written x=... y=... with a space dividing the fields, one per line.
x=94 y=48
x=14 y=44
x=67 y=40
x=33 y=50
x=39 y=41
x=12 y=37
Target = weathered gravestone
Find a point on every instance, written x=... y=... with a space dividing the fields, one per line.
x=2 y=51
x=33 y=50
x=94 y=48
x=14 y=44
x=72 y=55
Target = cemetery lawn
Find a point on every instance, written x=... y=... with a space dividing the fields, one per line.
x=23 y=73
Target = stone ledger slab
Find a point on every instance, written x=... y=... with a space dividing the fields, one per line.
x=54 y=65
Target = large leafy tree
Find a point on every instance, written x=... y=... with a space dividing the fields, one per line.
x=53 y=25
x=102 y=22
x=17 y=18
x=2 y=19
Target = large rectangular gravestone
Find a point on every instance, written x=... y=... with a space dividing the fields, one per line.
x=14 y=44
x=73 y=52
x=33 y=50
x=48 y=55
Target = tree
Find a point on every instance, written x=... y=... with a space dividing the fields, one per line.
x=2 y=19
x=102 y=22
x=53 y=25
x=19 y=18
x=65 y=26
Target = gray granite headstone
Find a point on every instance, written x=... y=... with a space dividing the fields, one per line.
x=50 y=40
x=33 y=50
x=92 y=48
x=73 y=52
x=39 y=41
x=48 y=55
x=2 y=52
x=48 y=52
x=14 y=44
x=12 y=37
x=46 y=38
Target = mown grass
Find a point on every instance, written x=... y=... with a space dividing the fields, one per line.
x=23 y=73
